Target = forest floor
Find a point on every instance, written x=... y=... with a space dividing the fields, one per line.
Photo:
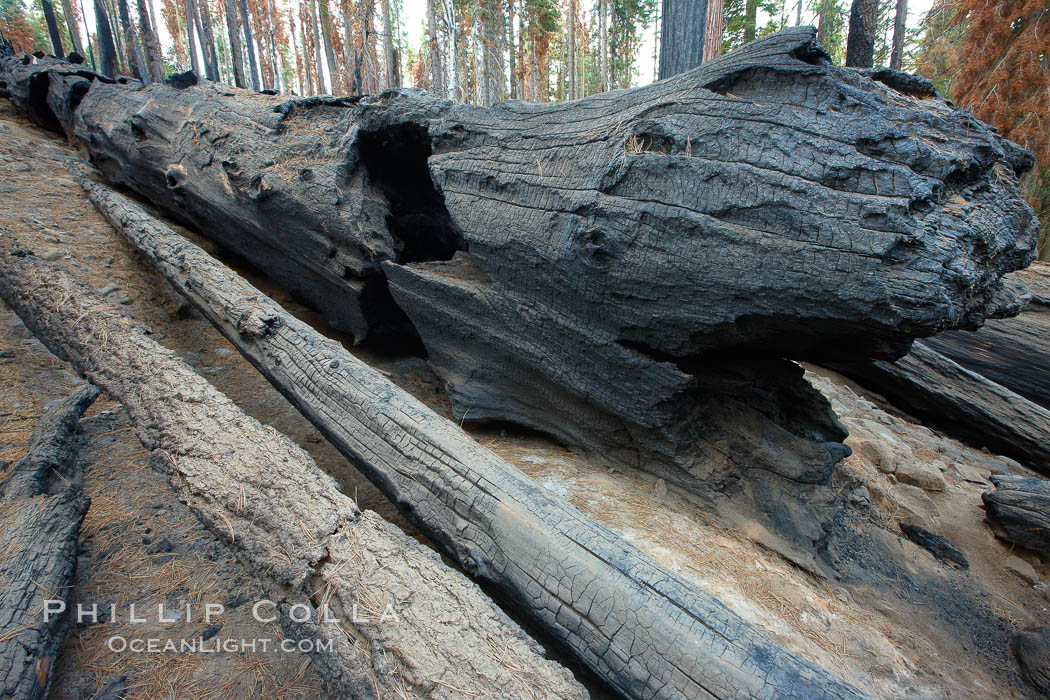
x=139 y=545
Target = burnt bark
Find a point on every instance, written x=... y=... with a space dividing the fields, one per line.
x=683 y=27
x=1013 y=352
x=1020 y=508
x=252 y=63
x=305 y=541
x=233 y=25
x=41 y=508
x=107 y=51
x=960 y=402
x=52 y=28
x=150 y=42
x=638 y=626
x=860 y=41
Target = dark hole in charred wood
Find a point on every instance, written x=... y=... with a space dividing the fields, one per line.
x=396 y=334
x=39 y=85
x=396 y=157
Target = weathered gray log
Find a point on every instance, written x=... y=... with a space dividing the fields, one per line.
x=41 y=508
x=626 y=272
x=1014 y=352
x=29 y=85
x=645 y=631
x=307 y=543
x=1020 y=508
x=962 y=403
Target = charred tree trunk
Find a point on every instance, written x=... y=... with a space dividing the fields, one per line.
x=52 y=28
x=249 y=44
x=641 y=628
x=151 y=44
x=897 y=50
x=1013 y=352
x=191 y=35
x=321 y=86
x=131 y=41
x=41 y=509
x=860 y=41
x=71 y=25
x=1020 y=509
x=329 y=47
x=107 y=52
x=305 y=541
x=211 y=58
x=960 y=402
x=683 y=26
x=233 y=26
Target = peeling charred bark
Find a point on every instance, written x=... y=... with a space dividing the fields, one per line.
x=644 y=630
x=1014 y=352
x=41 y=508
x=964 y=404
x=1020 y=508
x=285 y=518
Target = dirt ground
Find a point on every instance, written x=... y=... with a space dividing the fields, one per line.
x=140 y=545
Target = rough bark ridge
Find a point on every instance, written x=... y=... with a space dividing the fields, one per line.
x=41 y=508
x=682 y=238
x=962 y=403
x=638 y=626
x=1014 y=352
x=287 y=519
x=1020 y=508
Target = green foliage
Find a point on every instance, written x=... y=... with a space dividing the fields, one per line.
x=628 y=18
x=741 y=21
x=833 y=18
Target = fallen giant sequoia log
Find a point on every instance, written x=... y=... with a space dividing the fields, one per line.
x=41 y=508
x=307 y=542
x=645 y=631
x=625 y=272
x=960 y=402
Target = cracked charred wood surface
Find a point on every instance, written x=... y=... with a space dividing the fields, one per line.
x=645 y=631
x=626 y=272
x=1020 y=507
x=41 y=508
x=287 y=519
x=1014 y=352
x=962 y=403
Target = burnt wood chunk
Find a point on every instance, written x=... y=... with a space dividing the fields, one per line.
x=1020 y=508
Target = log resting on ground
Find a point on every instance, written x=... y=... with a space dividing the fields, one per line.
x=1020 y=508
x=42 y=504
x=1014 y=352
x=645 y=631
x=625 y=272
x=960 y=402
x=308 y=543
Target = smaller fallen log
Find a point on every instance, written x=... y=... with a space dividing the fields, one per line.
x=1020 y=508
x=645 y=631
x=1031 y=647
x=308 y=543
x=40 y=514
x=1014 y=352
x=960 y=402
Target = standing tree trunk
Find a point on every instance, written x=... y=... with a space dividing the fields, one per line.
x=211 y=59
x=233 y=25
x=91 y=52
x=388 y=44
x=71 y=24
x=603 y=44
x=751 y=20
x=131 y=43
x=315 y=31
x=713 y=34
x=191 y=14
x=52 y=28
x=897 y=52
x=512 y=44
x=151 y=44
x=860 y=44
x=107 y=52
x=329 y=48
x=572 y=50
x=246 y=23
x=683 y=26
x=437 y=76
